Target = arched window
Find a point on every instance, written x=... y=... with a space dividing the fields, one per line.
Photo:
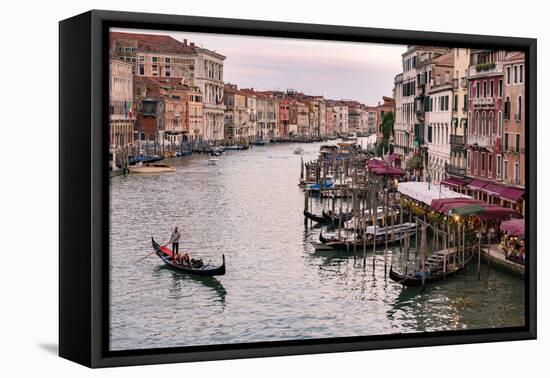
x=519 y=107
x=469 y=119
x=483 y=124
x=476 y=128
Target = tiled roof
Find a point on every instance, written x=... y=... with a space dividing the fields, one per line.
x=152 y=42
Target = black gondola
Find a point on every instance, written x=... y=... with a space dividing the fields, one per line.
x=206 y=270
x=335 y=218
x=415 y=280
x=343 y=244
x=315 y=218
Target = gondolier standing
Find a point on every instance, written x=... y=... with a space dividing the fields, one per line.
x=175 y=240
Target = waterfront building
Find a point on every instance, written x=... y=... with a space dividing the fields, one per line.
x=437 y=108
x=252 y=116
x=408 y=125
x=513 y=157
x=195 y=115
x=299 y=119
x=236 y=118
x=208 y=76
x=357 y=117
x=160 y=56
x=329 y=120
x=169 y=114
x=268 y=116
x=121 y=105
x=456 y=167
x=371 y=119
x=386 y=106
x=485 y=119
x=284 y=117
x=341 y=113
x=154 y=55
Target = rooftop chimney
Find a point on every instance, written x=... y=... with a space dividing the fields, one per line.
x=185 y=42
x=192 y=44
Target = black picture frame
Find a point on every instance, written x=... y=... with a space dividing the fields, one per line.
x=83 y=181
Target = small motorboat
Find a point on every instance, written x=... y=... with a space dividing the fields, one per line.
x=152 y=168
x=213 y=160
x=298 y=151
x=259 y=142
x=197 y=268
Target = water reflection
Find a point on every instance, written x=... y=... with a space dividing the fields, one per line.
x=277 y=287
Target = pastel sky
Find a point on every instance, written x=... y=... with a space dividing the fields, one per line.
x=337 y=70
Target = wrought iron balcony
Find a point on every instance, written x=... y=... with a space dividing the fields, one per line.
x=455 y=170
x=457 y=140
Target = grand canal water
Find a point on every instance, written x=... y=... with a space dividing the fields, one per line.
x=277 y=287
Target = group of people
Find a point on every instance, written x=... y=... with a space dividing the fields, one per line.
x=514 y=249
x=178 y=258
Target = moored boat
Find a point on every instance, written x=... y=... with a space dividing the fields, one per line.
x=315 y=217
x=152 y=168
x=213 y=160
x=372 y=235
x=146 y=160
x=433 y=273
x=166 y=256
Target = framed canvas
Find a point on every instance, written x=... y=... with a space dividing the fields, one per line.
x=236 y=188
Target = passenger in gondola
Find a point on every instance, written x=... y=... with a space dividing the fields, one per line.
x=186 y=260
x=175 y=240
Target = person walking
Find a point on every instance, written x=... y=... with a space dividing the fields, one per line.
x=175 y=240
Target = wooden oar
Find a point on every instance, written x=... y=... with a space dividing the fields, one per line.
x=143 y=258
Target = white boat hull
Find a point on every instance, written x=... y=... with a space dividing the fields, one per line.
x=152 y=169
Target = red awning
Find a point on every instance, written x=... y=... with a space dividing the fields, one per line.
x=512 y=194
x=387 y=171
x=375 y=163
x=452 y=181
x=514 y=227
x=494 y=189
x=477 y=184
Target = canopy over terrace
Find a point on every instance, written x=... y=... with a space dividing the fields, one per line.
x=466 y=207
x=515 y=227
x=426 y=193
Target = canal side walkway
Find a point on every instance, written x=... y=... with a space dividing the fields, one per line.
x=497 y=259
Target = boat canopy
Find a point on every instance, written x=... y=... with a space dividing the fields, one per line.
x=515 y=227
x=380 y=167
x=426 y=193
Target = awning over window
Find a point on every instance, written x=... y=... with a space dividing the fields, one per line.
x=477 y=184
x=494 y=189
x=512 y=194
x=452 y=181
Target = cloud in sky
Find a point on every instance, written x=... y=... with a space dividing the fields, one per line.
x=358 y=71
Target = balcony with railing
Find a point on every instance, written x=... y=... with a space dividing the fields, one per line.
x=455 y=170
x=482 y=69
x=480 y=140
x=457 y=140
